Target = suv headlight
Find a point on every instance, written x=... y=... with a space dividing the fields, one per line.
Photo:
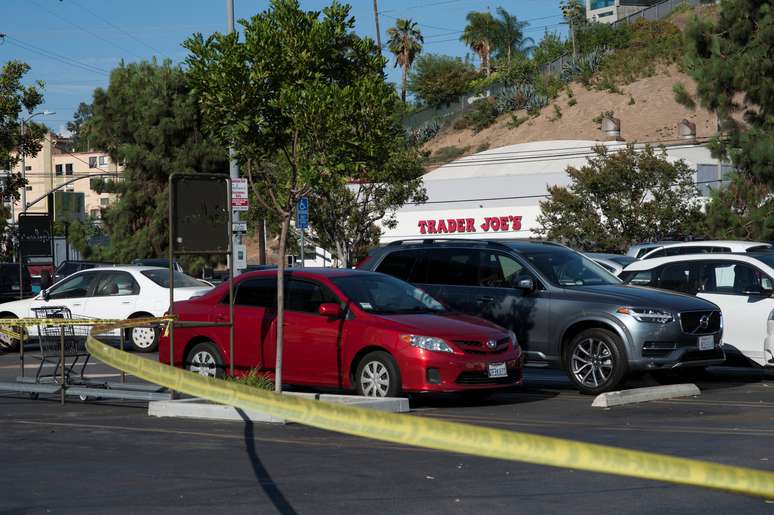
x=650 y=315
x=514 y=341
x=427 y=342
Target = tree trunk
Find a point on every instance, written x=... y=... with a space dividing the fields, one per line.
x=403 y=85
x=340 y=253
x=261 y=242
x=281 y=299
x=378 y=30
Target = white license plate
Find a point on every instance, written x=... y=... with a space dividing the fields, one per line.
x=706 y=342
x=497 y=370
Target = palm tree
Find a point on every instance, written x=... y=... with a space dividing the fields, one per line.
x=510 y=35
x=480 y=35
x=405 y=42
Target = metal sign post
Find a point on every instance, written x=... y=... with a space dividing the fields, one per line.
x=302 y=221
x=200 y=223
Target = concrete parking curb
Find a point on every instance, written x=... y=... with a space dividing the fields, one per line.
x=652 y=393
x=202 y=409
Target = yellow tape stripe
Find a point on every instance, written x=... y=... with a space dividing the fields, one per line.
x=443 y=435
x=113 y=324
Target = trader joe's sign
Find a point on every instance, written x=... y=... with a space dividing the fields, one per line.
x=465 y=225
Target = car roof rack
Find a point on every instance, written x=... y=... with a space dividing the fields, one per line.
x=467 y=241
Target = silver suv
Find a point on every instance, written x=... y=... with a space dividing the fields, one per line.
x=566 y=310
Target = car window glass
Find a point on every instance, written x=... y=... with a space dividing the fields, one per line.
x=676 y=277
x=116 y=283
x=306 y=296
x=73 y=287
x=641 y=278
x=499 y=270
x=457 y=267
x=606 y=267
x=732 y=278
x=399 y=264
x=257 y=293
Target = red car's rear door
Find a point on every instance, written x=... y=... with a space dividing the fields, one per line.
x=254 y=321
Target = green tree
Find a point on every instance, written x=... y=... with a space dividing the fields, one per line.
x=149 y=119
x=620 y=198
x=440 y=79
x=17 y=104
x=574 y=11
x=345 y=218
x=480 y=34
x=303 y=100
x=510 y=37
x=732 y=62
x=549 y=48
x=79 y=127
x=742 y=210
x=406 y=43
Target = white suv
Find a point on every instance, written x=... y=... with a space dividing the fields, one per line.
x=705 y=247
x=742 y=286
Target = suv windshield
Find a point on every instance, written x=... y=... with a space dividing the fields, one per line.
x=161 y=277
x=566 y=268
x=385 y=295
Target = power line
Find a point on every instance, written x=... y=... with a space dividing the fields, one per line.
x=420 y=6
x=52 y=13
x=118 y=28
x=56 y=57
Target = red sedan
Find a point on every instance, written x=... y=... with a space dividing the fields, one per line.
x=347 y=329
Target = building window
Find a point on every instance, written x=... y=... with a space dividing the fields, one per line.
x=104 y=202
x=601 y=4
x=28 y=188
x=95 y=214
x=69 y=187
x=605 y=14
x=27 y=168
x=59 y=169
x=104 y=160
x=93 y=162
x=69 y=169
x=710 y=177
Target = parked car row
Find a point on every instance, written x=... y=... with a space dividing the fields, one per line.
x=455 y=315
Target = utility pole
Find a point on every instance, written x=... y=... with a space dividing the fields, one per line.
x=233 y=165
x=378 y=31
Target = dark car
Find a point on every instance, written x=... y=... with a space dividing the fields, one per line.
x=70 y=267
x=9 y=282
x=565 y=309
x=346 y=329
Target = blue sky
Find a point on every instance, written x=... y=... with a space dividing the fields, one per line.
x=73 y=44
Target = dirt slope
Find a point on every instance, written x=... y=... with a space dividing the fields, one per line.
x=652 y=117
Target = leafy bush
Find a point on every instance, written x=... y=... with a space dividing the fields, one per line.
x=583 y=66
x=483 y=114
x=572 y=102
x=548 y=86
x=446 y=154
x=652 y=43
x=516 y=121
x=682 y=96
x=557 y=113
x=440 y=80
x=423 y=134
x=482 y=147
x=550 y=48
x=593 y=36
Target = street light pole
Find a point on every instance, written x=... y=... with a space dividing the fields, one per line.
x=233 y=164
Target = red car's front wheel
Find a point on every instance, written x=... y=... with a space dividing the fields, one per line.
x=377 y=375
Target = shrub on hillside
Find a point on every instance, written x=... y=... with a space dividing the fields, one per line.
x=483 y=114
x=440 y=79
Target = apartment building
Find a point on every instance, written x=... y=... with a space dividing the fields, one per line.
x=55 y=167
x=609 y=11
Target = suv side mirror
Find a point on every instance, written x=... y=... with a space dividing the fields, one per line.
x=45 y=295
x=330 y=310
x=526 y=284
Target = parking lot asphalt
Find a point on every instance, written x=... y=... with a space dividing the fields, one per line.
x=98 y=457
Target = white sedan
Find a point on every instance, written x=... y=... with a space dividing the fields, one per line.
x=742 y=285
x=119 y=292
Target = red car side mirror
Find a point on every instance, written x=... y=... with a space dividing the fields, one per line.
x=331 y=310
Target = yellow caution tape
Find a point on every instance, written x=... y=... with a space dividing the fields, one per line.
x=109 y=324
x=446 y=436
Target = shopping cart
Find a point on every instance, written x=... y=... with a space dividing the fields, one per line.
x=61 y=344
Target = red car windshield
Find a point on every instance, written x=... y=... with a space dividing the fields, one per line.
x=385 y=295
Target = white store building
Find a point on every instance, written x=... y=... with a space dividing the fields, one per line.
x=496 y=194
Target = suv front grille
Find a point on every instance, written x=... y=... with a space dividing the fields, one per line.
x=700 y=322
x=476 y=347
